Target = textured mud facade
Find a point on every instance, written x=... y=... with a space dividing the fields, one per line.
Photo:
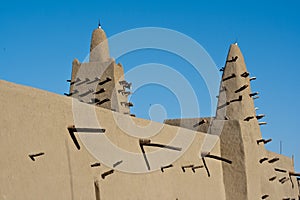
x=43 y=156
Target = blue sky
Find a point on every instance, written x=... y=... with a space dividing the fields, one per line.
x=39 y=40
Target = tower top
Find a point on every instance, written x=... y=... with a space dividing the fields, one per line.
x=235 y=97
x=99 y=46
x=99 y=24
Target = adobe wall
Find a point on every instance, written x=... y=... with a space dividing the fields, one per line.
x=36 y=121
x=197 y=124
x=278 y=184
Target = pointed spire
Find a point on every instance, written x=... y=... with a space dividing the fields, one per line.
x=99 y=51
x=235 y=100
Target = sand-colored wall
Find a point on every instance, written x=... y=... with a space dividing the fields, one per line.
x=34 y=121
x=197 y=124
x=274 y=188
x=247 y=177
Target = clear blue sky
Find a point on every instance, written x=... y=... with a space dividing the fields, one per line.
x=39 y=40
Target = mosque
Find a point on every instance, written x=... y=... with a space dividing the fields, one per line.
x=59 y=147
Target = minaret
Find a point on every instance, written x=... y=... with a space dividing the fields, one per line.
x=235 y=98
x=99 y=51
x=100 y=81
x=240 y=129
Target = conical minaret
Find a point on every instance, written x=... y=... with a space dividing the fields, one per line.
x=99 y=51
x=235 y=98
x=240 y=130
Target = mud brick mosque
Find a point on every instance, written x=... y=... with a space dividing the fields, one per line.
x=44 y=156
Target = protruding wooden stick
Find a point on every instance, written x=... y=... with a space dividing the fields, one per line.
x=88 y=130
x=105 y=81
x=245 y=74
x=73 y=129
x=263 y=141
x=203 y=121
x=262 y=123
x=248 y=118
x=240 y=98
x=95 y=164
x=103 y=101
x=107 y=173
x=70 y=94
x=253 y=94
x=76 y=81
x=263 y=160
x=219 y=158
x=273 y=160
x=85 y=81
x=241 y=88
x=197 y=167
x=272 y=178
x=99 y=91
x=95 y=80
x=265 y=196
x=165 y=167
x=233 y=59
x=280 y=170
x=186 y=166
x=147 y=142
x=127 y=104
x=117 y=163
x=260 y=116
x=32 y=156
x=229 y=77
x=86 y=93
x=224 y=105
x=283 y=180
x=144 y=141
